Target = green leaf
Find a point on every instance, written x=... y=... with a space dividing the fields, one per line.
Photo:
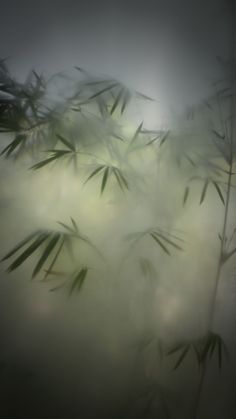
x=117 y=100
x=19 y=140
x=219 y=192
x=104 y=179
x=48 y=250
x=100 y=92
x=168 y=240
x=164 y=138
x=79 y=280
x=182 y=356
x=20 y=245
x=66 y=142
x=28 y=252
x=204 y=190
x=228 y=255
x=55 y=257
x=126 y=99
x=136 y=133
x=99 y=168
x=186 y=194
x=160 y=243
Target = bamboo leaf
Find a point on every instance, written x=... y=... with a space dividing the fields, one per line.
x=79 y=280
x=204 y=190
x=160 y=243
x=126 y=99
x=105 y=89
x=136 y=133
x=19 y=139
x=219 y=192
x=66 y=142
x=117 y=100
x=95 y=172
x=55 y=257
x=48 y=250
x=186 y=194
x=164 y=138
x=104 y=179
x=28 y=252
x=20 y=245
x=182 y=356
x=168 y=240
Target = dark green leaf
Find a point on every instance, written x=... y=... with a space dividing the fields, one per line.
x=79 y=280
x=20 y=245
x=219 y=192
x=103 y=90
x=186 y=194
x=117 y=100
x=28 y=252
x=204 y=190
x=66 y=142
x=104 y=179
x=95 y=172
x=160 y=243
x=48 y=250
x=182 y=356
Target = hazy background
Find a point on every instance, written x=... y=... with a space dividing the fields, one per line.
x=75 y=358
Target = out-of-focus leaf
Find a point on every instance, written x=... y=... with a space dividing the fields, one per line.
x=219 y=192
x=182 y=356
x=47 y=252
x=104 y=178
x=117 y=100
x=66 y=142
x=186 y=194
x=204 y=190
x=79 y=280
x=105 y=89
x=18 y=141
x=99 y=168
x=28 y=252
x=160 y=243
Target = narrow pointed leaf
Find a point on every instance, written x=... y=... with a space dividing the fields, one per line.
x=47 y=252
x=103 y=90
x=186 y=194
x=160 y=243
x=182 y=356
x=204 y=190
x=66 y=142
x=95 y=172
x=104 y=179
x=20 y=245
x=117 y=101
x=28 y=252
x=219 y=192
x=79 y=280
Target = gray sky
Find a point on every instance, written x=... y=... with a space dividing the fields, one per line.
x=165 y=48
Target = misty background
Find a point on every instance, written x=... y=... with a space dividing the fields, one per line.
x=76 y=357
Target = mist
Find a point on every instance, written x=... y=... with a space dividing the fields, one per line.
x=127 y=339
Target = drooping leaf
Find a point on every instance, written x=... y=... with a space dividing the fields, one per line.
x=79 y=280
x=105 y=89
x=104 y=178
x=117 y=101
x=47 y=252
x=186 y=194
x=18 y=141
x=28 y=252
x=158 y=241
x=182 y=356
x=219 y=192
x=20 y=245
x=204 y=190
x=66 y=142
x=97 y=170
